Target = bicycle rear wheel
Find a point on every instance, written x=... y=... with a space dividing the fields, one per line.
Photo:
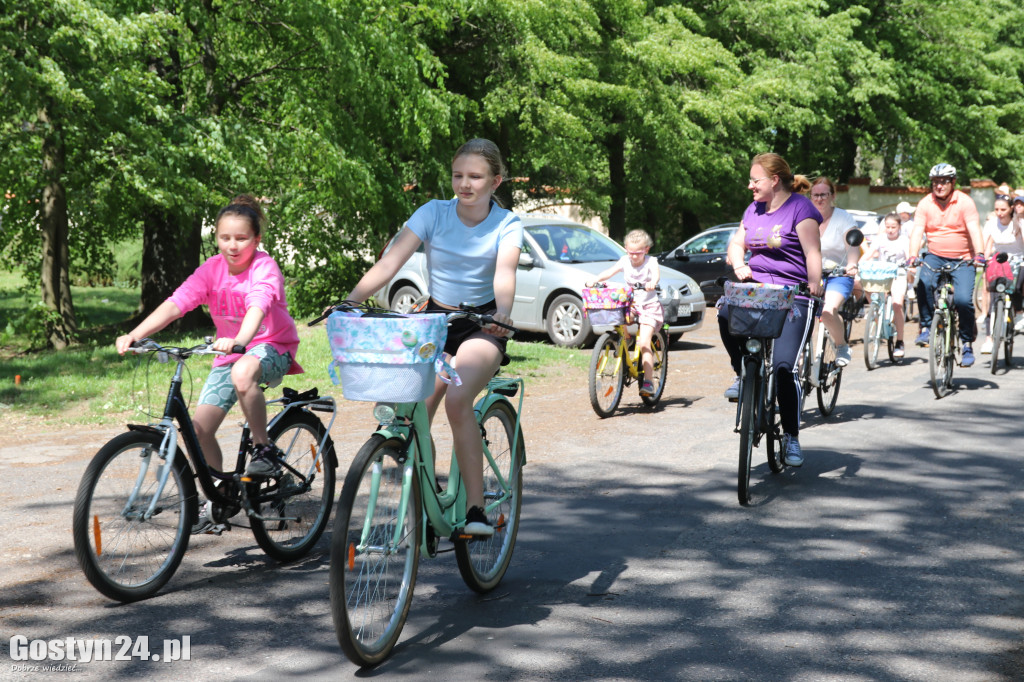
x=298 y=434
x=830 y=376
x=872 y=335
x=748 y=431
x=659 y=353
x=998 y=329
x=373 y=560
x=124 y=555
x=607 y=375
x=940 y=355
x=484 y=560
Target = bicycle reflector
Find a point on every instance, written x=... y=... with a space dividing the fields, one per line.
x=384 y=413
x=754 y=346
x=1000 y=287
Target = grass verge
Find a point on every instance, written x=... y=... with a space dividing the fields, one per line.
x=90 y=384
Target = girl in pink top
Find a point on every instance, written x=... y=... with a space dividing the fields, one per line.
x=244 y=290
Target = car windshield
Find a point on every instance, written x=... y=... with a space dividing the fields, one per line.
x=574 y=244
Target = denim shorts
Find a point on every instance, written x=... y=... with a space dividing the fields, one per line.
x=841 y=285
x=218 y=389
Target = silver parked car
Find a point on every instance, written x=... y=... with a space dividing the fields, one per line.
x=559 y=257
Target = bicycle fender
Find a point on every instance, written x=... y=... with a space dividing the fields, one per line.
x=146 y=428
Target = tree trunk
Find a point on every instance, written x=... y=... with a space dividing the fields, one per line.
x=170 y=253
x=616 y=146
x=53 y=219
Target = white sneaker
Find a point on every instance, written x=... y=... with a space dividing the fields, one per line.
x=794 y=455
x=986 y=348
x=843 y=355
x=1019 y=324
x=733 y=392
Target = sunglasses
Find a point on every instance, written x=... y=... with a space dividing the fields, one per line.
x=1002 y=197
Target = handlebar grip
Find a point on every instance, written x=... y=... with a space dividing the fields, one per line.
x=238 y=348
x=346 y=304
x=487 y=319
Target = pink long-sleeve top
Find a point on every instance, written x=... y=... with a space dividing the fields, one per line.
x=229 y=296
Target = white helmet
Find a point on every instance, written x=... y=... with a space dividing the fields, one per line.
x=905 y=207
x=942 y=170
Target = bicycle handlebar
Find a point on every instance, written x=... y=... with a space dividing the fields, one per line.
x=635 y=287
x=461 y=313
x=148 y=345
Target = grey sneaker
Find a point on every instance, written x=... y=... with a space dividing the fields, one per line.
x=733 y=392
x=264 y=461
x=794 y=455
x=843 y=355
x=206 y=524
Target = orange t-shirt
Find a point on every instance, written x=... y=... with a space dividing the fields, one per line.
x=946 y=229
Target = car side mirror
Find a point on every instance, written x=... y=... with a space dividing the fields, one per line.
x=526 y=261
x=681 y=254
x=854 y=237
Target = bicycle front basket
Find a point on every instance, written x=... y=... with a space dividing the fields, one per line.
x=877 y=276
x=757 y=310
x=386 y=358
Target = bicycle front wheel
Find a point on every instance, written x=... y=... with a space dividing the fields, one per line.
x=940 y=356
x=607 y=375
x=830 y=376
x=126 y=552
x=659 y=359
x=373 y=558
x=872 y=335
x=303 y=506
x=998 y=328
x=484 y=560
x=748 y=433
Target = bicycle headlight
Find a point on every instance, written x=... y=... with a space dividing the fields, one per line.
x=753 y=346
x=384 y=413
x=1000 y=287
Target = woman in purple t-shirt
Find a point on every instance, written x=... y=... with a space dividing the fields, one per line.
x=780 y=229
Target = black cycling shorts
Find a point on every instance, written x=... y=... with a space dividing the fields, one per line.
x=462 y=329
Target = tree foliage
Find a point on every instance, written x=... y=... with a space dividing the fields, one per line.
x=123 y=118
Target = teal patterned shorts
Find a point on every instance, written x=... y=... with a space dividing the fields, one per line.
x=218 y=389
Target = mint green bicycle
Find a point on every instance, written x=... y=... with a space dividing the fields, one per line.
x=394 y=509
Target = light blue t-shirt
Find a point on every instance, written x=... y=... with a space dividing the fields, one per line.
x=461 y=260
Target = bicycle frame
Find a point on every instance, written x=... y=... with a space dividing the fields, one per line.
x=631 y=360
x=444 y=511
x=176 y=410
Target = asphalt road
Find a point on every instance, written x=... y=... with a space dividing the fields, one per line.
x=894 y=553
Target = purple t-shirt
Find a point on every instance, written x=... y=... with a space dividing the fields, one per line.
x=776 y=256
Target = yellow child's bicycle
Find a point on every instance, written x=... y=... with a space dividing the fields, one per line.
x=615 y=362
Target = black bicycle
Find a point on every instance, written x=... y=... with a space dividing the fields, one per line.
x=137 y=503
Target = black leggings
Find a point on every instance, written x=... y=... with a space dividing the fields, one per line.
x=784 y=356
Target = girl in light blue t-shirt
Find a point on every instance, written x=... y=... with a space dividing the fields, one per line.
x=472 y=248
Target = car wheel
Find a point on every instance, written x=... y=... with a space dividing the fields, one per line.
x=565 y=323
x=673 y=338
x=403 y=300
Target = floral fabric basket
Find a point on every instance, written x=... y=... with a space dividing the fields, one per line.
x=607 y=306
x=876 y=276
x=757 y=310
x=389 y=358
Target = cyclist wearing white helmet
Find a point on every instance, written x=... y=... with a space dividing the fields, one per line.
x=949 y=220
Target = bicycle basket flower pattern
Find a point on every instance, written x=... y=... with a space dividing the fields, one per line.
x=388 y=358
x=757 y=310
x=607 y=306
